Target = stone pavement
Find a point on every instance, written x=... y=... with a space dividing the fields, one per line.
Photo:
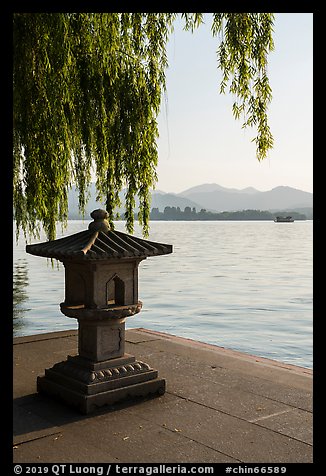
x=219 y=406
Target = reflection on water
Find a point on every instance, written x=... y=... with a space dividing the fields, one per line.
x=20 y=296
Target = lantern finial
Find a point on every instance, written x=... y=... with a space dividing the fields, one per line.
x=100 y=222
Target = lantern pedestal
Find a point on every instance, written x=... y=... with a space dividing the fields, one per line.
x=101 y=332
x=89 y=385
x=102 y=374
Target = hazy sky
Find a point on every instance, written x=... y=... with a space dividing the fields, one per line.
x=201 y=142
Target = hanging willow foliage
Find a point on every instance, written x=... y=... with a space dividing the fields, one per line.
x=87 y=93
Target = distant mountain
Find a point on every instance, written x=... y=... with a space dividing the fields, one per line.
x=209 y=187
x=211 y=197
x=215 y=197
x=92 y=204
x=248 y=190
x=160 y=200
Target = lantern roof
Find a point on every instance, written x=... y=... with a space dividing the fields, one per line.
x=99 y=243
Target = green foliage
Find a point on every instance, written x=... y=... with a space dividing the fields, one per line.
x=87 y=92
x=246 y=39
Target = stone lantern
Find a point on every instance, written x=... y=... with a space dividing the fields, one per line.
x=101 y=291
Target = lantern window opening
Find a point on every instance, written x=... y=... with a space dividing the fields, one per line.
x=115 y=291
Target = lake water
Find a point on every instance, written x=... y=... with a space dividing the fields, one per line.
x=242 y=285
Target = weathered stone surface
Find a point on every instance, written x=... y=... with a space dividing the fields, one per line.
x=99 y=243
x=101 y=291
x=101 y=340
x=181 y=426
x=88 y=385
x=100 y=285
x=87 y=403
x=27 y=426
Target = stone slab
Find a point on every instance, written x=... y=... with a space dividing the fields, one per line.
x=295 y=423
x=142 y=442
x=185 y=424
x=31 y=360
x=230 y=395
x=239 y=439
x=138 y=336
x=46 y=336
x=133 y=438
x=24 y=420
x=60 y=449
x=245 y=364
x=234 y=378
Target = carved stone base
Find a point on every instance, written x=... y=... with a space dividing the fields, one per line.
x=89 y=385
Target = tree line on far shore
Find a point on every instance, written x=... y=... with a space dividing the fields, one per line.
x=175 y=213
x=191 y=214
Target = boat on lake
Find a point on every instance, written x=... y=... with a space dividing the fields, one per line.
x=284 y=219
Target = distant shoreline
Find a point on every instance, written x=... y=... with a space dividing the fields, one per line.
x=175 y=214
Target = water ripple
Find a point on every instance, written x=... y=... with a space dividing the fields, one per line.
x=241 y=285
